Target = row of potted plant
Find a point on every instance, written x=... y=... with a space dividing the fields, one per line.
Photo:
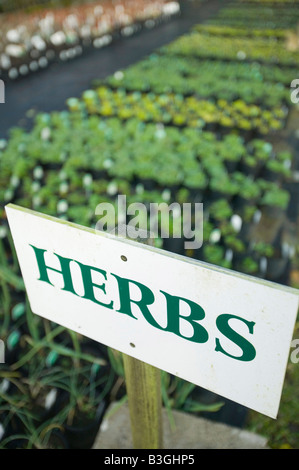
x=225 y=230
x=148 y=163
x=189 y=67
x=134 y=149
x=251 y=83
x=31 y=41
x=245 y=31
x=265 y=50
x=175 y=109
x=265 y=16
x=34 y=5
x=266 y=12
x=273 y=2
x=256 y=22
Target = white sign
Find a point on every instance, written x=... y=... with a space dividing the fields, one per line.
x=224 y=331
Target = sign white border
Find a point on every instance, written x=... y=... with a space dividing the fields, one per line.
x=272 y=308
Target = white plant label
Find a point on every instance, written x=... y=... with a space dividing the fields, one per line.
x=219 y=329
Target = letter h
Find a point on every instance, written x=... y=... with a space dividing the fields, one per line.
x=65 y=269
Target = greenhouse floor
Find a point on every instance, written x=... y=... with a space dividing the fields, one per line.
x=48 y=90
x=185 y=431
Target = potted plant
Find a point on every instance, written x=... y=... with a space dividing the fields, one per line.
x=196 y=182
x=277 y=170
x=248 y=214
x=223 y=186
x=275 y=201
x=232 y=151
x=248 y=266
x=234 y=243
x=220 y=211
x=248 y=194
x=262 y=249
x=215 y=254
x=279 y=263
x=250 y=165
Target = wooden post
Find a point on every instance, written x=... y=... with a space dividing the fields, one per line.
x=143 y=384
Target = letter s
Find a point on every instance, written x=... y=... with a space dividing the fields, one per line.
x=223 y=326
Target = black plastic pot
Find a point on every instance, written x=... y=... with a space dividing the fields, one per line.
x=196 y=195
x=293 y=208
x=14 y=427
x=230 y=413
x=231 y=165
x=237 y=260
x=253 y=171
x=174 y=245
x=270 y=175
x=82 y=434
x=197 y=253
x=57 y=440
x=214 y=195
x=13 y=355
x=245 y=231
x=278 y=269
x=239 y=203
x=211 y=126
x=148 y=184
